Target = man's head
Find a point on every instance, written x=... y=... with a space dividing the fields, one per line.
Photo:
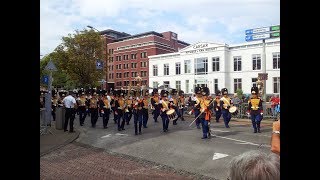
x=224 y=91
x=254 y=165
x=254 y=91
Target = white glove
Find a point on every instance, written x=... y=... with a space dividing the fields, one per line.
x=261 y=114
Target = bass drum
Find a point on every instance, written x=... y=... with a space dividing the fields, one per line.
x=171 y=114
x=233 y=110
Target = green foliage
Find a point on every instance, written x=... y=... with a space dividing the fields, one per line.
x=78 y=54
x=239 y=93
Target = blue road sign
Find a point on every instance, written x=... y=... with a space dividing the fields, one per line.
x=99 y=64
x=249 y=31
x=257 y=37
x=45 y=79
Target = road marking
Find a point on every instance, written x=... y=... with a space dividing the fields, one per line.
x=106 y=136
x=218 y=130
x=218 y=156
x=244 y=142
x=119 y=134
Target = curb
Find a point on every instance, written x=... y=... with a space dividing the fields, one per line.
x=70 y=140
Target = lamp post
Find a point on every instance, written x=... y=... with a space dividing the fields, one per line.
x=104 y=79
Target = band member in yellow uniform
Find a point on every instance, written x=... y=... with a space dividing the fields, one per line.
x=145 y=112
x=255 y=109
x=205 y=110
x=104 y=104
x=216 y=106
x=128 y=109
x=82 y=108
x=196 y=108
x=155 y=104
x=93 y=106
x=225 y=104
x=137 y=112
x=165 y=106
x=120 y=111
x=174 y=103
x=181 y=105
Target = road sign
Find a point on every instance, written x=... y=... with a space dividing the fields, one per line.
x=263 y=30
x=257 y=37
x=275 y=34
x=50 y=66
x=45 y=79
x=263 y=76
x=99 y=64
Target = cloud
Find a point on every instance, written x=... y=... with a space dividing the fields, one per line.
x=214 y=20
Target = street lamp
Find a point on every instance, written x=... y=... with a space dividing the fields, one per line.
x=103 y=80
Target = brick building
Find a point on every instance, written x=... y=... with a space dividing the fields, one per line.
x=128 y=55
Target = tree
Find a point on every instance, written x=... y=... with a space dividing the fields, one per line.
x=239 y=93
x=60 y=77
x=77 y=56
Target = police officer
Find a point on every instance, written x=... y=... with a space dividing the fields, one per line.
x=255 y=109
x=225 y=104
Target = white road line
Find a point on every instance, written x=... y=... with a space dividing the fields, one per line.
x=106 y=136
x=244 y=142
x=218 y=156
x=119 y=134
x=218 y=130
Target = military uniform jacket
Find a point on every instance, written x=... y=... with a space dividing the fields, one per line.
x=155 y=102
x=255 y=106
x=216 y=104
x=225 y=103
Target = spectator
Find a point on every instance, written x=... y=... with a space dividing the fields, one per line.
x=275 y=138
x=253 y=165
x=70 y=104
x=275 y=101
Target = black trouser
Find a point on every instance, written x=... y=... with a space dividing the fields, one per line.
x=94 y=116
x=120 y=116
x=82 y=114
x=105 y=117
x=145 y=117
x=70 y=114
x=156 y=114
x=53 y=113
x=137 y=118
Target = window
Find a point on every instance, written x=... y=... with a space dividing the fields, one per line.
x=155 y=84
x=155 y=70
x=178 y=85
x=166 y=84
x=112 y=76
x=215 y=64
x=133 y=65
x=143 y=64
x=143 y=73
x=112 y=67
x=143 y=54
x=133 y=56
x=256 y=62
x=178 y=68
x=187 y=86
x=187 y=66
x=254 y=82
x=109 y=75
x=166 y=69
x=133 y=74
x=276 y=85
x=276 y=60
x=201 y=66
x=237 y=63
x=237 y=85
x=124 y=66
x=216 y=87
x=119 y=66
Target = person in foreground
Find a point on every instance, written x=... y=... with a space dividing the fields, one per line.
x=253 y=165
x=275 y=138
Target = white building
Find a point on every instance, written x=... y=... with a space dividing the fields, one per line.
x=217 y=66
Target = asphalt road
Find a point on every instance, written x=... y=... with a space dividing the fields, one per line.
x=182 y=147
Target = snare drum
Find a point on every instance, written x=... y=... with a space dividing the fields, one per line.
x=233 y=110
x=171 y=114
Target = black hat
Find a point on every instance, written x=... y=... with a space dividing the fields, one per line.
x=197 y=90
x=254 y=90
x=218 y=93
x=164 y=93
x=155 y=90
x=224 y=91
x=173 y=92
x=205 y=91
x=181 y=93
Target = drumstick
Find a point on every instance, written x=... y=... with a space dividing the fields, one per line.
x=196 y=118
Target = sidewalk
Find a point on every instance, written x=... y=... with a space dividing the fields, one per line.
x=56 y=139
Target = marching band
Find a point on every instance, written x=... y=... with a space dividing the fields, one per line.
x=169 y=105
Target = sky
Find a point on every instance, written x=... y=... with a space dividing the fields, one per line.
x=217 y=21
